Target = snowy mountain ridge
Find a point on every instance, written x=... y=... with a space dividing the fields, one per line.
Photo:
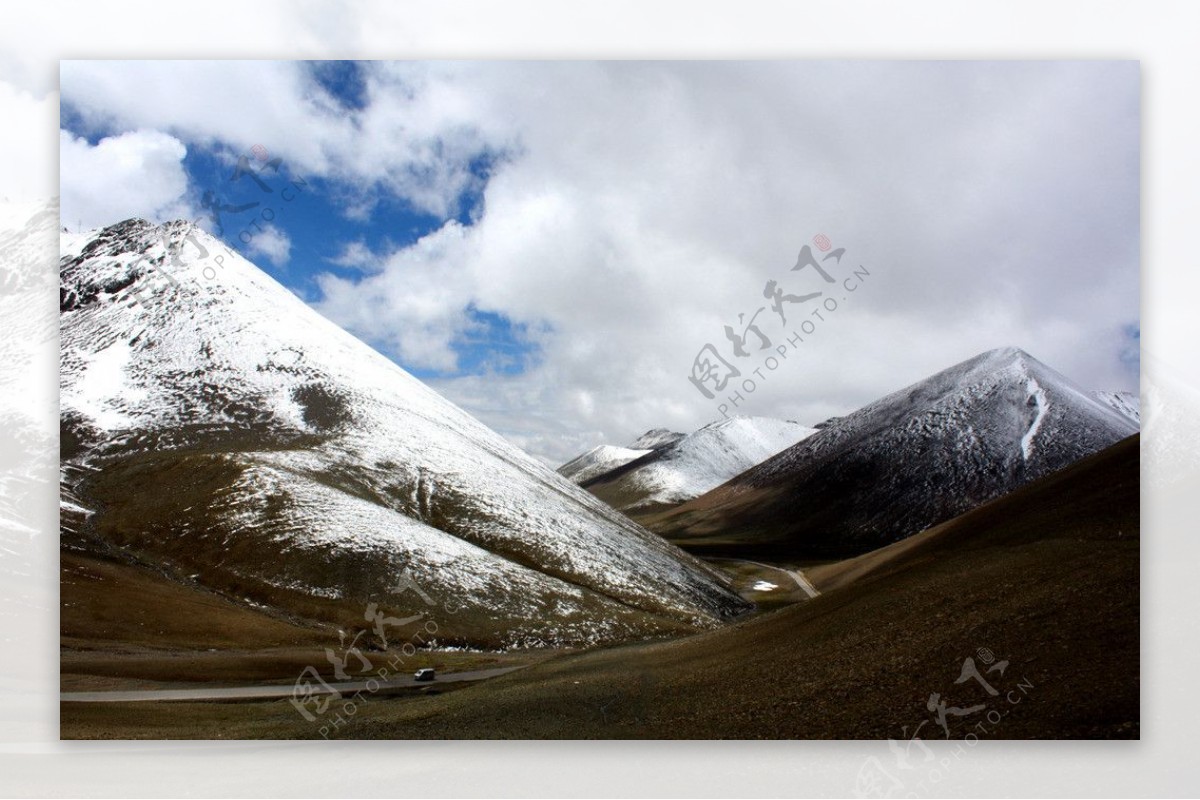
x=1126 y=403
x=1007 y=382
x=597 y=461
x=656 y=439
x=290 y=458
x=695 y=463
x=913 y=458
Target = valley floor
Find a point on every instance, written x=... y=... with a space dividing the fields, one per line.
x=1017 y=620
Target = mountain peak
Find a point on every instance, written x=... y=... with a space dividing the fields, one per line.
x=259 y=446
x=1008 y=352
x=597 y=461
x=690 y=465
x=655 y=438
x=913 y=458
x=1000 y=357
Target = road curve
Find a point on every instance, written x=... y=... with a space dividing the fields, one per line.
x=803 y=582
x=271 y=692
x=795 y=574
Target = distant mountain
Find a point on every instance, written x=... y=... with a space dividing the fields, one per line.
x=597 y=461
x=690 y=465
x=1126 y=403
x=656 y=439
x=219 y=432
x=915 y=458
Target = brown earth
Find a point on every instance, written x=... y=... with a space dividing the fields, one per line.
x=1045 y=578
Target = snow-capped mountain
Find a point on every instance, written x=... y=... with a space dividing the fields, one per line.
x=656 y=439
x=607 y=457
x=691 y=465
x=598 y=461
x=1126 y=403
x=217 y=428
x=917 y=457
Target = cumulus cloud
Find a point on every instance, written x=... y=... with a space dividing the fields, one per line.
x=270 y=243
x=418 y=142
x=627 y=212
x=357 y=255
x=140 y=173
x=415 y=308
x=28 y=148
x=649 y=204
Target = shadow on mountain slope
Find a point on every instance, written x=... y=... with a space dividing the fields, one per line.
x=1045 y=579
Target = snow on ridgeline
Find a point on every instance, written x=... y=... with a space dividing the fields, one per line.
x=656 y=439
x=693 y=464
x=318 y=444
x=1126 y=403
x=914 y=458
x=597 y=461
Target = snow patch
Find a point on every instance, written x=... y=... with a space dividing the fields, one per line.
x=104 y=385
x=598 y=461
x=1124 y=403
x=1038 y=394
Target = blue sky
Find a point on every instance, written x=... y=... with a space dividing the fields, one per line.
x=310 y=212
x=551 y=244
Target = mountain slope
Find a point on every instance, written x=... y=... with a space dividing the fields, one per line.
x=606 y=458
x=597 y=461
x=913 y=459
x=1126 y=403
x=1094 y=499
x=656 y=439
x=1045 y=578
x=218 y=429
x=689 y=466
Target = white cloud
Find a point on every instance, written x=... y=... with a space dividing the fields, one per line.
x=416 y=142
x=357 y=255
x=416 y=307
x=139 y=173
x=27 y=148
x=635 y=209
x=269 y=242
x=648 y=205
